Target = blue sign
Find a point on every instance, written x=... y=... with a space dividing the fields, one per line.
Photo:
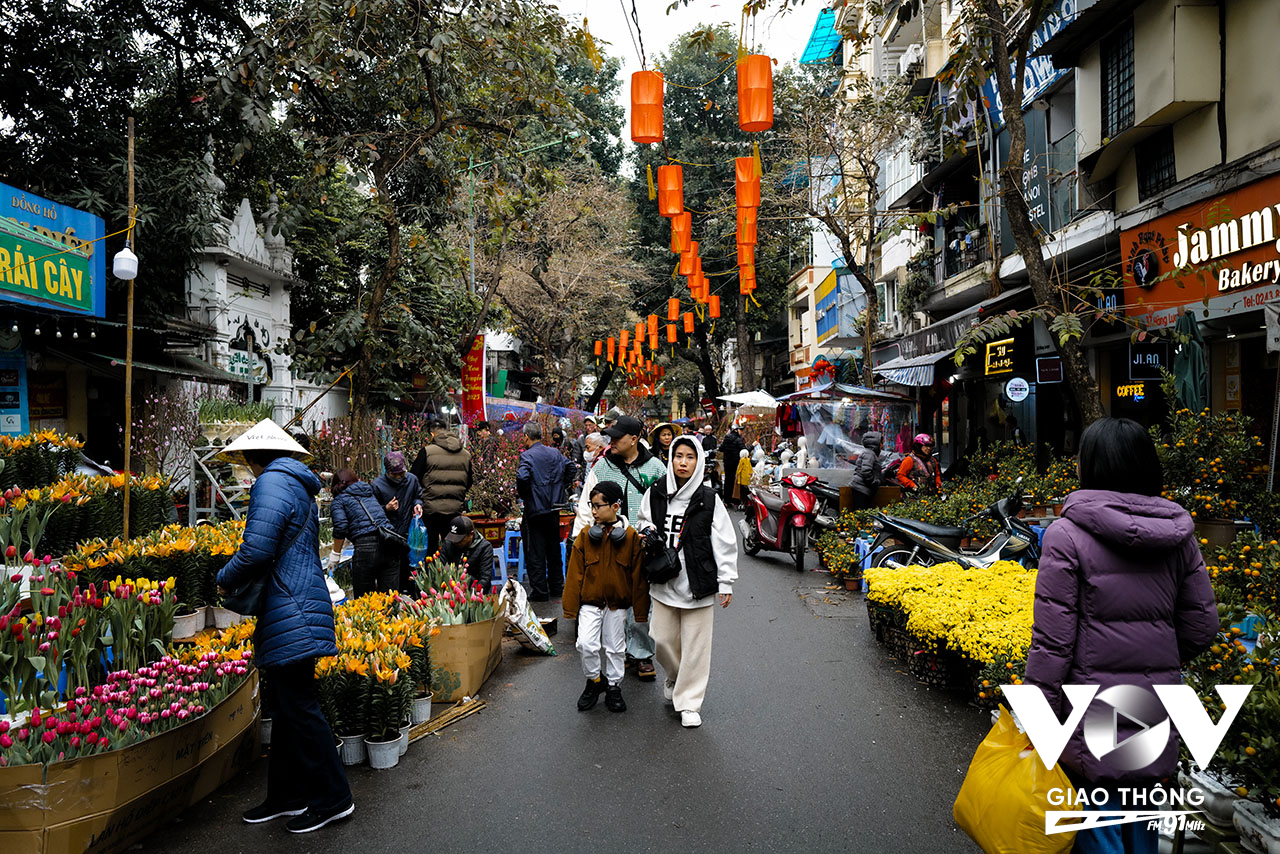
x=57 y=228
x=13 y=392
x=1039 y=73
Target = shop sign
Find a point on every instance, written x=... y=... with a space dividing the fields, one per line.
x=51 y=254
x=1146 y=359
x=48 y=395
x=1017 y=389
x=1039 y=73
x=1132 y=391
x=999 y=357
x=1222 y=252
x=13 y=392
x=1049 y=369
x=473 y=404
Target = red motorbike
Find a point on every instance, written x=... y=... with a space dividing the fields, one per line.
x=780 y=517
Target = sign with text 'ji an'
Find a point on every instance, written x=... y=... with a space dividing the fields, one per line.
x=472 y=408
x=50 y=254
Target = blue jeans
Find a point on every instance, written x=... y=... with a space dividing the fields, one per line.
x=1118 y=838
x=639 y=644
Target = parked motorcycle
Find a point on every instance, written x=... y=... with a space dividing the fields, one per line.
x=779 y=518
x=923 y=544
x=827 y=510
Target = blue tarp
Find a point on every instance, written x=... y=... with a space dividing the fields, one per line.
x=823 y=41
x=498 y=408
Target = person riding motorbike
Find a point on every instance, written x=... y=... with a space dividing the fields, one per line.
x=919 y=473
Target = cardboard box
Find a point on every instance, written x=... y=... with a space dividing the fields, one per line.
x=111 y=801
x=468 y=654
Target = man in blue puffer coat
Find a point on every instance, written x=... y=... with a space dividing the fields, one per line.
x=305 y=778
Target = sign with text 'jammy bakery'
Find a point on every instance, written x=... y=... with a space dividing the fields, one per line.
x=1224 y=250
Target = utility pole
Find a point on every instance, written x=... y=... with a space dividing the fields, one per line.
x=128 y=352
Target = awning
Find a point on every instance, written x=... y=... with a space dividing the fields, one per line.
x=828 y=391
x=823 y=41
x=914 y=372
x=187 y=367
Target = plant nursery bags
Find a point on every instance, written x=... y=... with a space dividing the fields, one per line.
x=524 y=623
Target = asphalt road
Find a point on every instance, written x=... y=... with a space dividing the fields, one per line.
x=813 y=740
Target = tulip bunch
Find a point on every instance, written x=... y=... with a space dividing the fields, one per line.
x=452 y=597
x=130 y=707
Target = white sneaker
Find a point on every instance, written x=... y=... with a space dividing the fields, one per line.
x=690 y=719
x=668 y=689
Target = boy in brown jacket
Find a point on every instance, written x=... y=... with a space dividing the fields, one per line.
x=605 y=578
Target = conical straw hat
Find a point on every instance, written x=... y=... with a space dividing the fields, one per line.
x=266 y=435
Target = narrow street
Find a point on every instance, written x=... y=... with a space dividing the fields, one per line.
x=814 y=740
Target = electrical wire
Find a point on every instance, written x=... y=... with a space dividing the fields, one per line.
x=639 y=53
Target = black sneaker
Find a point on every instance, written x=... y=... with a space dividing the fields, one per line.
x=316 y=819
x=267 y=811
x=613 y=699
x=587 y=702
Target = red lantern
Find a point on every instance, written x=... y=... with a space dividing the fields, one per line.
x=755 y=93
x=747 y=218
x=746 y=255
x=746 y=182
x=688 y=323
x=686 y=259
x=646 y=107
x=681 y=231
x=670 y=190
x=673 y=309
x=715 y=305
x=612 y=347
x=671 y=333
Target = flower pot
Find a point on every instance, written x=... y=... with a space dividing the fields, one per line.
x=492 y=529
x=264 y=731
x=851 y=583
x=1057 y=509
x=404 y=739
x=1219 y=799
x=383 y=754
x=222 y=618
x=1259 y=833
x=421 y=709
x=188 y=625
x=353 y=749
x=1219 y=532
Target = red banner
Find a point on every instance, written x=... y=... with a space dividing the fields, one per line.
x=473 y=383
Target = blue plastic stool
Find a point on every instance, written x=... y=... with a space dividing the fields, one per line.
x=499 y=573
x=513 y=553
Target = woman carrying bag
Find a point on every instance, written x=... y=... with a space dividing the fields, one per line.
x=277 y=572
x=358 y=516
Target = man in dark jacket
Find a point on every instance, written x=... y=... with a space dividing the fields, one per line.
x=444 y=469
x=400 y=495
x=867 y=472
x=709 y=444
x=729 y=450
x=463 y=544
x=541 y=481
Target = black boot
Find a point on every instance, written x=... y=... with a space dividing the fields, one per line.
x=613 y=699
x=591 y=693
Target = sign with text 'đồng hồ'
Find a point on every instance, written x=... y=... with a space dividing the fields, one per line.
x=51 y=255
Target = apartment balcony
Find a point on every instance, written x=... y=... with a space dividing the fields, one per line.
x=961 y=252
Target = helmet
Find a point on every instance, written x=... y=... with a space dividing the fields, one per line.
x=923 y=439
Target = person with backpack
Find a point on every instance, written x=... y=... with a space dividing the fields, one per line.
x=630 y=465
x=867 y=474
x=691 y=519
x=919 y=473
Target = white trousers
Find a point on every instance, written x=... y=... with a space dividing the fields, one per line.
x=602 y=629
x=683 y=636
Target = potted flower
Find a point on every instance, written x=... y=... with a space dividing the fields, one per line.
x=493 y=486
x=385 y=712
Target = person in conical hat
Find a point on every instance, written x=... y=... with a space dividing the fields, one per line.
x=305 y=779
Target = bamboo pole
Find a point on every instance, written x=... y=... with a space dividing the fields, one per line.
x=128 y=351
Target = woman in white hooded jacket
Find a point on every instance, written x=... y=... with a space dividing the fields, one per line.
x=694 y=521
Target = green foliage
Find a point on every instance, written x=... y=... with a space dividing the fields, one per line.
x=919 y=283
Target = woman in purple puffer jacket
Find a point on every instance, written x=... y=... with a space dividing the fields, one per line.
x=1122 y=598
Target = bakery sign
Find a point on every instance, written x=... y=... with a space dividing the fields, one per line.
x=1222 y=253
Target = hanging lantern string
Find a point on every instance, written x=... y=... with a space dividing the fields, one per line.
x=730 y=64
x=635 y=19
x=639 y=48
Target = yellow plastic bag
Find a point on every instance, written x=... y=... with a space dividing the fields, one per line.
x=1005 y=795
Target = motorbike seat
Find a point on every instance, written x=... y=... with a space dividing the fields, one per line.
x=936 y=532
x=825 y=491
x=773 y=502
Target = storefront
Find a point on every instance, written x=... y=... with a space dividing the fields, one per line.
x=1219 y=260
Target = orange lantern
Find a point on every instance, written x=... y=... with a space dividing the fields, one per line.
x=681 y=231
x=747 y=219
x=646 y=107
x=653 y=332
x=746 y=255
x=671 y=333
x=612 y=347
x=623 y=337
x=599 y=347
x=755 y=93
x=670 y=190
x=745 y=287
x=639 y=336
x=688 y=323
x=715 y=305
x=686 y=259
x=673 y=309
x=746 y=182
